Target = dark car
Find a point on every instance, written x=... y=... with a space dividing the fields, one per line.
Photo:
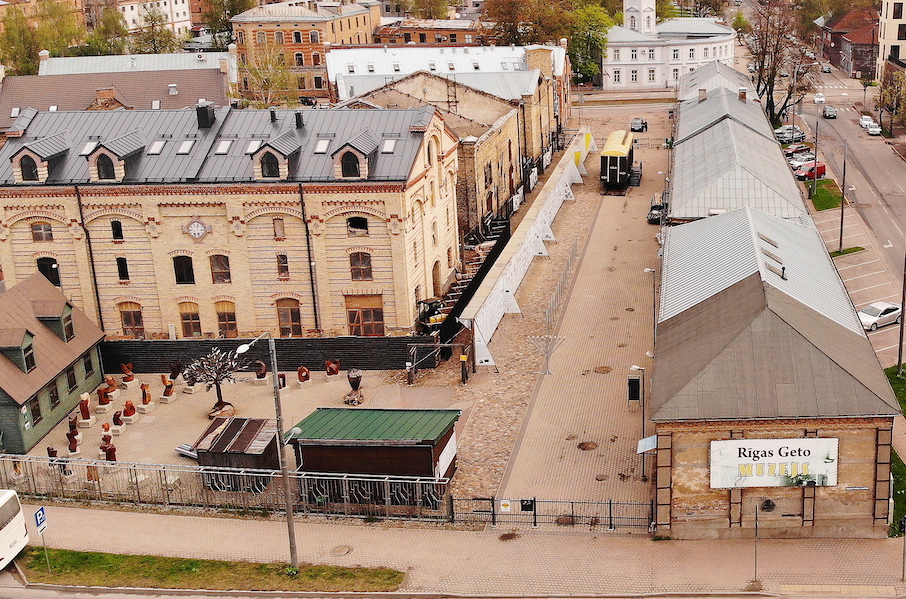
x=830 y=112
x=656 y=214
x=638 y=124
x=307 y=101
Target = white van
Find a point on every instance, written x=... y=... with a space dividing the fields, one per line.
x=865 y=120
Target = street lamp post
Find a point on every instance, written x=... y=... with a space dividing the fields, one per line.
x=843 y=189
x=281 y=449
x=642 y=406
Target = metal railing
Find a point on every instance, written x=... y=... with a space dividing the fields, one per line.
x=595 y=515
x=562 y=287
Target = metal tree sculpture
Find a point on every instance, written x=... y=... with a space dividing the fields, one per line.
x=213 y=370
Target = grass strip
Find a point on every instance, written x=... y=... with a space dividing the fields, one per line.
x=84 y=568
x=845 y=251
x=826 y=196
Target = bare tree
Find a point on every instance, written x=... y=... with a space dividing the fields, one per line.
x=783 y=74
x=213 y=370
x=265 y=76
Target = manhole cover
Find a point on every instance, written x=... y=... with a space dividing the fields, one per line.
x=603 y=369
x=341 y=550
x=587 y=445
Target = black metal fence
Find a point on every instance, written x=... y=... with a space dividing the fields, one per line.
x=596 y=515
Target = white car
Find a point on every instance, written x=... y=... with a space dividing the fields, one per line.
x=798 y=160
x=819 y=98
x=879 y=314
x=873 y=129
x=865 y=120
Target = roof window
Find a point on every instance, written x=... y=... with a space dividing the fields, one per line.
x=186 y=146
x=351 y=68
x=53 y=108
x=14 y=112
x=321 y=146
x=155 y=104
x=88 y=148
x=156 y=147
x=396 y=68
x=388 y=146
x=223 y=146
x=504 y=66
x=432 y=66
x=253 y=146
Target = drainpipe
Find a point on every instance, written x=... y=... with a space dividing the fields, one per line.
x=311 y=263
x=94 y=278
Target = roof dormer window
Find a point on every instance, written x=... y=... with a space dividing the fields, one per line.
x=106 y=171
x=270 y=166
x=349 y=165
x=29 y=168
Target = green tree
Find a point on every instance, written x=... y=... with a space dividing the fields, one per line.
x=155 y=37
x=217 y=15
x=60 y=26
x=589 y=39
x=429 y=9
x=266 y=78
x=892 y=97
x=19 y=45
x=741 y=23
x=522 y=22
x=110 y=36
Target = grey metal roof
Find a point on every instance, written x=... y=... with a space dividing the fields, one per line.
x=728 y=166
x=50 y=146
x=126 y=145
x=755 y=322
x=509 y=85
x=181 y=161
x=280 y=12
x=695 y=116
x=365 y=142
x=712 y=76
x=620 y=34
x=692 y=27
x=119 y=63
x=286 y=143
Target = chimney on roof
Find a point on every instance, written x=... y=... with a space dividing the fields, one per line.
x=44 y=55
x=224 y=65
x=205 y=113
x=300 y=122
x=171 y=89
x=563 y=42
x=702 y=95
x=273 y=115
x=106 y=93
x=742 y=94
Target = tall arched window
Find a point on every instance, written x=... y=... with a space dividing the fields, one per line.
x=270 y=168
x=314 y=37
x=105 y=167
x=261 y=37
x=226 y=318
x=50 y=269
x=289 y=317
x=632 y=22
x=29 y=168
x=131 y=317
x=278 y=37
x=191 y=322
x=648 y=22
x=360 y=266
x=349 y=165
x=297 y=37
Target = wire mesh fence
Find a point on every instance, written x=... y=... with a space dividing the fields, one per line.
x=594 y=515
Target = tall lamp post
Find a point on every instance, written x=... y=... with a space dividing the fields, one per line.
x=281 y=450
x=641 y=369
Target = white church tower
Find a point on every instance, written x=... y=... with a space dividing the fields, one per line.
x=640 y=15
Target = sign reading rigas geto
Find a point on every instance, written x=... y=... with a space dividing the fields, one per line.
x=740 y=463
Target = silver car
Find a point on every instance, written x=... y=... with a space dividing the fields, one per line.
x=879 y=314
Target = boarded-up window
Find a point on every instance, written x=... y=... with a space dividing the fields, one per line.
x=365 y=314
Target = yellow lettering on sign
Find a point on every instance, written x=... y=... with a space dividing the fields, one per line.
x=745 y=470
x=759 y=469
x=782 y=469
x=772 y=469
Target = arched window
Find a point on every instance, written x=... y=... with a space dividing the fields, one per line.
x=105 y=167
x=349 y=165
x=226 y=318
x=29 y=168
x=632 y=22
x=220 y=268
x=360 y=266
x=41 y=232
x=261 y=37
x=300 y=60
x=50 y=269
x=648 y=22
x=116 y=229
x=289 y=317
x=191 y=322
x=278 y=37
x=297 y=37
x=240 y=36
x=357 y=226
x=314 y=37
x=270 y=168
x=183 y=271
x=131 y=317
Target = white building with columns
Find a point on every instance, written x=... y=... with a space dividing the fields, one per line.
x=643 y=53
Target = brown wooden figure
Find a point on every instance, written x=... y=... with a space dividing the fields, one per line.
x=106 y=427
x=126 y=369
x=103 y=397
x=111 y=383
x=129 y=409
x=146 y=395
x=176 y=368
x=84 y=409
x=110 y=452
x=260 y=369
x=332 y=367
x=303 y=373
x=118 y=418
x=73 y=438
x=73 y=422
x=168 y=385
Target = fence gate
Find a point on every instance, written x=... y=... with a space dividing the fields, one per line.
x=595 y=515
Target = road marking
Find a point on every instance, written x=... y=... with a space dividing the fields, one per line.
x=889 y=244
x=859 y=264
x=872 y=287
x=877 y=272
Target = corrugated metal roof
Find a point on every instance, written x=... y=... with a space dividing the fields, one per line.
x=719 y=104
x=52 y=354
x=119 y=63
x=754 y=322
x=729 y=166
x=712 y=76
x=192 y=154
x=49 y=146
x=692 y=26
x=355 y=424
x=619 y=34
x=508 y=85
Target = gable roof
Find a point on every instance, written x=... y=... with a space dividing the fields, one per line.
x=190 y=153
x=507 y=85
x=375 y=426
x=131 y=89
x=119 y=63
x=851 y=20
x=754 y=322
x=866 y=35
x=712 y=76
x=697 y=115
x=365 y=142
x=50 y=146
x=52 y=354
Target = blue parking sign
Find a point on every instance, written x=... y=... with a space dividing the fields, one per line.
x=41 y=520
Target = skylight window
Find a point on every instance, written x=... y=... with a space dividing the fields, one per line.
x=396 y=69
x=223 y=146
x=451 y=66
x=14 y=112
x=388 y=146
x=351 y=68
x=370 y=67
x=432 y=66
x=88 y=148
x=155 y=104
x=475 y=66
x=53 y=108
x=321 y=146
x=156 y=147
x=186 y=146
x=253 y=146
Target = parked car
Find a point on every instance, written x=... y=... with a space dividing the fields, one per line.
x=865 y=120
x=819 y=98
x=638 y=124
x=811 y=171
x=792 y=137
x=879 y=314
x=784 y=74
x=797 y=161
x=830 y=112
x=656 y=214
x=873 y=129
x=793 y=149
x=825 y=68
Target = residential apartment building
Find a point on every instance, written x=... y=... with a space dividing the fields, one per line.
x=176 y=12
x=833 y=31
x=891 y=37
x=301 y=32
x=205 y=222
x=436 y=32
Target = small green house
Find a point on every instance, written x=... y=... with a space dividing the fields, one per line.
x=49 y=358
